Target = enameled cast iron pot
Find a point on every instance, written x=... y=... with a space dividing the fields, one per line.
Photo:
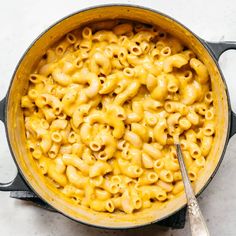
x=11 y=114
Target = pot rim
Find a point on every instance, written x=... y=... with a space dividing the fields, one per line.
x=202 y=42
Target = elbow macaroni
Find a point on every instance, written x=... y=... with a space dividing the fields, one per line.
x=104 y=108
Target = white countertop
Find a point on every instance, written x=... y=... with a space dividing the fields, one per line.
x=22 y=21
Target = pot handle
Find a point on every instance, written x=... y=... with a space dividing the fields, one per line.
x=233 y=124
x=217 y=48
x=18 y=183
x=2 y=110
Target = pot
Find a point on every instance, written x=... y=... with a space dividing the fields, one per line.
x=12 y=116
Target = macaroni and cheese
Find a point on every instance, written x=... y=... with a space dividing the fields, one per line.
x=103 y=110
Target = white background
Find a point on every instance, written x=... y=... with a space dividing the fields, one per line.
x=22 y=21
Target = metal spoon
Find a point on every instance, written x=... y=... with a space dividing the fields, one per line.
x=197 y=223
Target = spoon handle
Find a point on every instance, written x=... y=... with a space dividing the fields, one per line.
x=197 y=223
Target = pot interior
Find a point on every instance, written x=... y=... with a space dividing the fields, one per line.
x=15 y=124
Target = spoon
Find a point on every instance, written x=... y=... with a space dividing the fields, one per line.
x=197 y=223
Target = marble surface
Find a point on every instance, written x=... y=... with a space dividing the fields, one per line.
x=21 y=22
